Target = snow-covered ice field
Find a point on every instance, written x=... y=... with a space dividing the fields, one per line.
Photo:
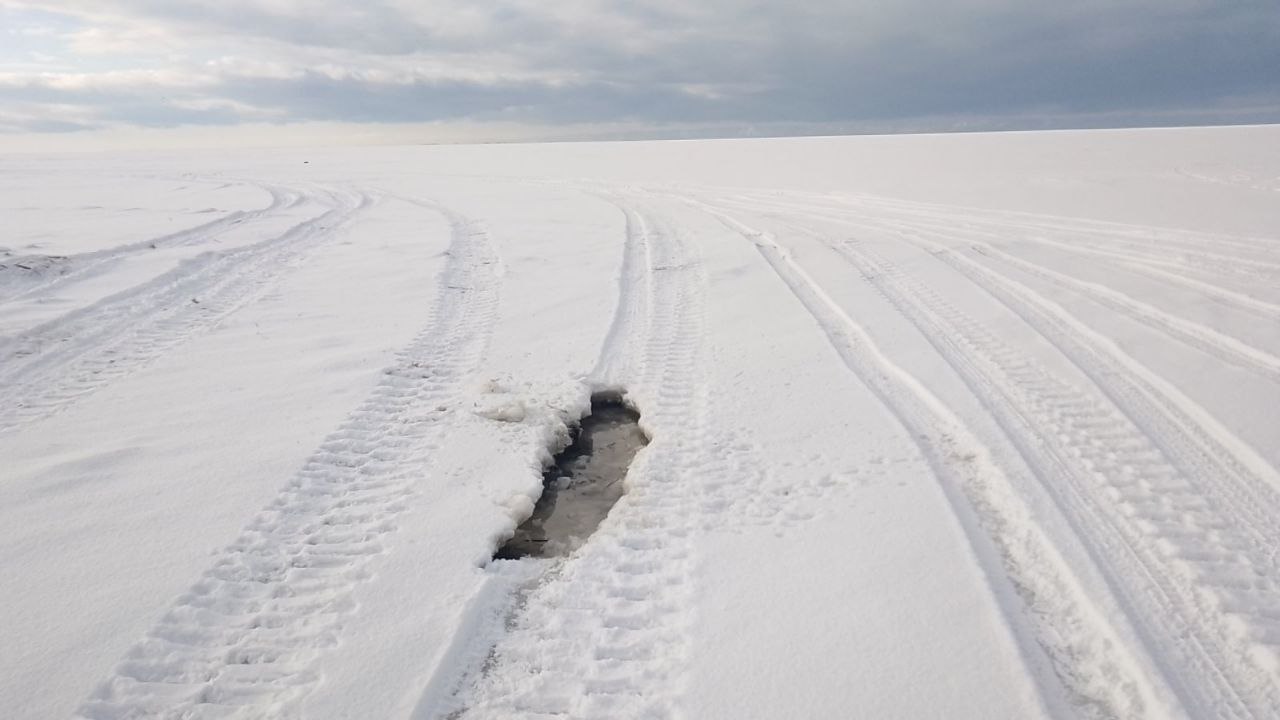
x=970 y=426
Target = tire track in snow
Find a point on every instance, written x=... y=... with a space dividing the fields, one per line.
x=1211 y=276
x=1086 y=346
x=241 y=642
x=1191 y=251
x=1077 y=658
x=74 y=268
x=627 y=330
x=1234 y=457
x=1163 y=271
x=1153 y=269
x=1203 y=507
x=53 y=365
x=1226 y=348
x=1219 y=345
x=1097 y=462
x=1226 y=527
x=602 y=635
x=1175 y=249
x=1196 y=249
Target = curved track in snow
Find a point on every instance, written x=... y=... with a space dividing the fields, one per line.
x=73 y=268
x=601 y=634
x=1117 y=526
x=1178 y=515
x=52 y=365
x=1054 y=620
x=242 y=640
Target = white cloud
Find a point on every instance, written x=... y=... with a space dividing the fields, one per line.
x=112 y=80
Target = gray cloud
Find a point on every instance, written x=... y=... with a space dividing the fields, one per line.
x=723 y=61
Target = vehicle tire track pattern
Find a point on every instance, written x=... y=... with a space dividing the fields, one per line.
x=55 y=364
x=1253 y=257
x=1166 y=529
x=1201 y=521
x=1078 y=659
x=603 y=636
x=61 y=270
x=241 y=642
x=1217 y=344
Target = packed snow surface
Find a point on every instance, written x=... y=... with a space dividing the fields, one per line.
x=972 y=426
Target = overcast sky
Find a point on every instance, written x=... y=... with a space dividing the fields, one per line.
x=641 y=67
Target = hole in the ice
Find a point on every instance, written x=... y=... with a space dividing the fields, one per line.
x=582 y=484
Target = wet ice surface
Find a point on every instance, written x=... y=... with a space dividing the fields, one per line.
x=582 y=485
